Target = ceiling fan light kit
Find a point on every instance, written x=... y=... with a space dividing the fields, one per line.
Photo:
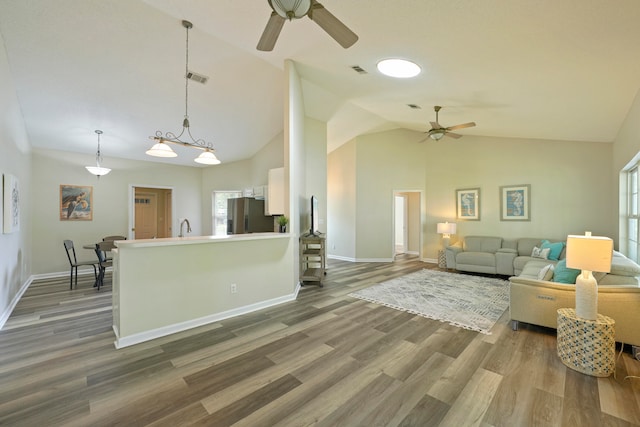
x=97 y=169
x=291 y=9
x=283 y=10
x=398 y=68
x=160 y=148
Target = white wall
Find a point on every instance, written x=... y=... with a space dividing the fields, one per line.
x=341 y=195
x=564 y=176
x=15 y=159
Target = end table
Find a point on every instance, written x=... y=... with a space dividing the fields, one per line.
x=586 y=346
x=442 y=259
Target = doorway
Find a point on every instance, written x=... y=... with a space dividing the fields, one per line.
x=407 y=223
x=151 y=212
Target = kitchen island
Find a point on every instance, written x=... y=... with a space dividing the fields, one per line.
x=164 y=286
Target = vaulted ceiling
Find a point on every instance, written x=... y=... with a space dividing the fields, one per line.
x=548 y=69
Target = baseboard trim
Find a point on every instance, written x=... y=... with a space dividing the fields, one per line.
x=141 y=337
x=341 y=258
x=16 y=298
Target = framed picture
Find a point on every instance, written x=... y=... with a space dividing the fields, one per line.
x=11 y=204
x=76 y=202
x=515 y=203
x=468 y=204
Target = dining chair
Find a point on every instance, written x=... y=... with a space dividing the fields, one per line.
x=74 y=263
x=112 y=238
x=101 y=249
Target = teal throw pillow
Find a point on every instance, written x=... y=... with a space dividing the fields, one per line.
x=563 y=274
x=555 y=249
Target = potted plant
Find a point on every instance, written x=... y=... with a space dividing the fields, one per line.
x=282 y=223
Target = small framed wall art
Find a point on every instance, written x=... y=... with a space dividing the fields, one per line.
x=515 y=203
x=468 y=204
x=11 y=204
x=76 y=203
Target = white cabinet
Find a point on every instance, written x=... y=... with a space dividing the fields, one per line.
x=274 y=202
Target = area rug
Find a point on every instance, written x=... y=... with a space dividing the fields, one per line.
x=466 y=301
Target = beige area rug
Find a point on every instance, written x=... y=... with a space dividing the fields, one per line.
x=466 y=301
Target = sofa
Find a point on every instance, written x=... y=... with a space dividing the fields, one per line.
x=536 y=301
x=496 y=255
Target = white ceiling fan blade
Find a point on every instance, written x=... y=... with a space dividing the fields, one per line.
x=435 y=125
x=462 y=126
x=332 y=25
x=271 y=32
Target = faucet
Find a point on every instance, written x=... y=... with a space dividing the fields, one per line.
x=188 y=227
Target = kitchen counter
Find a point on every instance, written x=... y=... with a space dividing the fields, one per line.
x=163 y=286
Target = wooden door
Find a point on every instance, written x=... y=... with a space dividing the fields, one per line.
x=146 y=214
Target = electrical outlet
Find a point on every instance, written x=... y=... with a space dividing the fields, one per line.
x=234 y=288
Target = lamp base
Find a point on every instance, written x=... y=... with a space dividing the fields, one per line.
x=586 y=296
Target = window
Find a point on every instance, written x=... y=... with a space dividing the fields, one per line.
x=219 y=210
x=632 y=214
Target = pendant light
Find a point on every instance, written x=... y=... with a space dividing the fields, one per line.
x=161 y=148
x=97 y=169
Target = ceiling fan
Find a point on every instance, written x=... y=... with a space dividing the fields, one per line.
x=437 y=131
x=296 y=9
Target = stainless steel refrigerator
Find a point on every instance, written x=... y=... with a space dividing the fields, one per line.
x=246 y=215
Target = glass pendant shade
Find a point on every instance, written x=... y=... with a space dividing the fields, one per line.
x=98 y=170
x=207 y=158
x=291 y=9
x=161 y=149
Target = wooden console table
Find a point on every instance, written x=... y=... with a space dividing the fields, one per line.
x=586 y=346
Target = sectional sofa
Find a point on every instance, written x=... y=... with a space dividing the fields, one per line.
x=495 y=255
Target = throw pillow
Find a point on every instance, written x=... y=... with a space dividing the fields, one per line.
x=546 y=273
x=540 y=253
x=563 y=274
x=555 y=249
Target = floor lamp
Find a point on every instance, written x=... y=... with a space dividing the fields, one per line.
x=588 y=253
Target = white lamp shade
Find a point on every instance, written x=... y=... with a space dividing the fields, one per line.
x=161 y=150
x=591 y=253
x=207 y=158
x=446 y=228
x=97 y=170
x=291 y=8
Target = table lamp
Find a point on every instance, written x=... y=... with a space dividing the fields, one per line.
x=446 y=229
x=588 y=253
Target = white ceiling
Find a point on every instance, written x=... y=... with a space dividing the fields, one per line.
x=549 y=69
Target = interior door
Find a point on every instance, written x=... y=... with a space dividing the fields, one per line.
x=146 y=215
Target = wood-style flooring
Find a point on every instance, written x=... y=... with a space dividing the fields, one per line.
x=325 y=359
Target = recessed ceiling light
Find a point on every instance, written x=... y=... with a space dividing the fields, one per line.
x=400 y=68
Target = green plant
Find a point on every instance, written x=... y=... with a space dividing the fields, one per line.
x=283 y=220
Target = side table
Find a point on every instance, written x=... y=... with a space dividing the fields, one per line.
x=442 y=259
x=587 y=346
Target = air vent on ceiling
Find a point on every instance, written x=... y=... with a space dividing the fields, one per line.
x=358 y=69
x=414 y=106
x=197 y=77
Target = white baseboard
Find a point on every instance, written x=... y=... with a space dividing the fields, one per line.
x=5 y=315
x=183 y=326
x=341 y=258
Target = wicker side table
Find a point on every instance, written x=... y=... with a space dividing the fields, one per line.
x=587 y=346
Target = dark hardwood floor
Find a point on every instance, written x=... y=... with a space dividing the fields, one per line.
x=325 y=359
